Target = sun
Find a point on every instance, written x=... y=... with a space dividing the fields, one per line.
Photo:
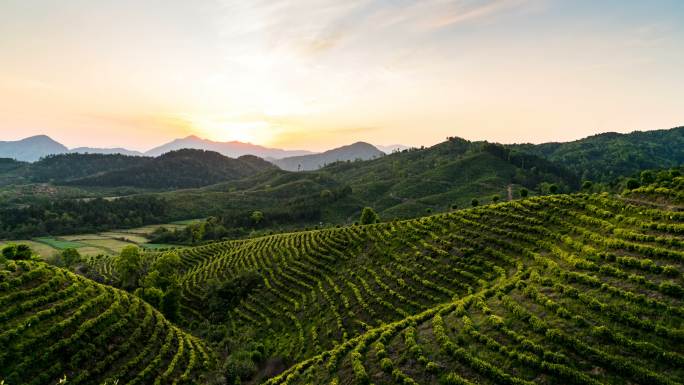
x=257 y=132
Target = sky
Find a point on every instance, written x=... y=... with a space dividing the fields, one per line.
x=307 y=74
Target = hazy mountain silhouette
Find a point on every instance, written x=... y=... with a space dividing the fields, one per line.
x=392 y=148
x=31 y=149
x=231 y=149
x=358 y=150
x=106 y=151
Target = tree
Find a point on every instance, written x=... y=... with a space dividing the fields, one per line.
x=368 y=216
x=151 y=295
x=23 y=252
x=632 y=183
x=524 y=193
x=553 y=188
x=474 y=202
x=170 y=303
x=647 y=177
x=257 y=217
x=128 y=266
x=586 y=185
x=9 y=251
x=20 y=251
x=71 y=256
x=167 y=265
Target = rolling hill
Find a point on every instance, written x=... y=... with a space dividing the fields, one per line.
x=178 y=169
x=401 y=185
x=560 y=289
x=58 y=326
x=604 y=157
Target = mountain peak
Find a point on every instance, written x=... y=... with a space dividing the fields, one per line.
x=354 y=151
x=32 y=148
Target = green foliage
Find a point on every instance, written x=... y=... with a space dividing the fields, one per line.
x=632 y=183
x=183 y=168
x=128 y=266
x=17 y=252
x=553 y=188
x=368 y=216
x=605 y=157
x=524 y=193
x=257 y=217
x=62 y=328
x=70 y=256
x=68 y=216
x=474 y=202
x=224 y=296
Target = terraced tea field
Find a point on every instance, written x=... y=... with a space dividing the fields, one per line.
x=562 y=289
x=557 y=289
x=58 y=325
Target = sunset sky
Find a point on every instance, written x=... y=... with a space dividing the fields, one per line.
x=318 y=74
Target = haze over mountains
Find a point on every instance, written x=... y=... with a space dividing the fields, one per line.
x=231 y=149
x=33 y=148
x=358 y=150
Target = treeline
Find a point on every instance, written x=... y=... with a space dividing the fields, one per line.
x=64 y=167
x=80 y=216
x=540 y=168
x=605 y=157
x=185 y=168
x=237 y=224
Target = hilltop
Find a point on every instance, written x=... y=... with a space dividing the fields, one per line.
x=603 y=157
x=179 y=169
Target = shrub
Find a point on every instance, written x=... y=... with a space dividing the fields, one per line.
x=386 y=365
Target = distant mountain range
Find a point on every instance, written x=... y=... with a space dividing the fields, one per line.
x=36 y=147
x=392 y=148
x=106 y=151
x=232 y=149
x=358 y=150
x=31 y=149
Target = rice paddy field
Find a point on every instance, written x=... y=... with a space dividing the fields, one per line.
x=108 y=243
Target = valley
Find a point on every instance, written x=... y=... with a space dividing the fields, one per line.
x=581 y=288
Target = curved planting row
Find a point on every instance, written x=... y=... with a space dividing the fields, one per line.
x=55 y=325
x=557 y=289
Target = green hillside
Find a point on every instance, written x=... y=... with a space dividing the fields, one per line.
x=55 y=325
x=178 y=169
x=401 y=185
x=606 y=156
x=560 y=289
